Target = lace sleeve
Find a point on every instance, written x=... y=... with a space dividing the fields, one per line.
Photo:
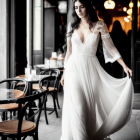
x=111 y=53
x=69 y=46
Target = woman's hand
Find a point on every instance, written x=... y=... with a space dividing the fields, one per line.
x=128 y=71
x=62 y=79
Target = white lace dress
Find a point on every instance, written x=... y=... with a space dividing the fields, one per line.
x=95 y=104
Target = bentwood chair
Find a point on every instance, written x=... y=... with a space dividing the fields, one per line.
x=21 y=128
x=44 y=84
x=12 y=83
x=51 y=72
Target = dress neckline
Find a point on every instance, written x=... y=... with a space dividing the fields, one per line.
x=87 y=38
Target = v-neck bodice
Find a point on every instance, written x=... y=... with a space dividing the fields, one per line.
x=88 y=48
x=75 y=45
x=85 y=39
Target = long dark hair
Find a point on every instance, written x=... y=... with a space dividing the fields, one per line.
x=91 y=16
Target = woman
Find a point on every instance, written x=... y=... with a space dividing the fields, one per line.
x=95 y=104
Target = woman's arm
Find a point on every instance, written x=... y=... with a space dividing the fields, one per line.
x=111 y=53
x=126 y=69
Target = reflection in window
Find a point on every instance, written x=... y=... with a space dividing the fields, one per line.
x=37 y=25
x=3 y=39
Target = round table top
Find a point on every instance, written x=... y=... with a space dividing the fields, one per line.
x=50 y=67
x=20 y=76
x=9 y=94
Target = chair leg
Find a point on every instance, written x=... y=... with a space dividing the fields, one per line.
x=36 y=135
x=46 y=118
x=10 y=115
x=14 y=113
x=56 y=96
x=59 y=86
x=4 y=116
x=24 y=138
x=18 y=138
x=55 y=108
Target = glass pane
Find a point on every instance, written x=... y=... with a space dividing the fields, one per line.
x=3 y=40
x=37 y=25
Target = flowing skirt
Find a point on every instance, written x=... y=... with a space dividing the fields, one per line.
x=95 y=104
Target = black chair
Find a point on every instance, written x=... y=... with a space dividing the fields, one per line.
x=52 y=72
x=12 y=83
x=44 y=84
x=56 y=73
x=16 y=129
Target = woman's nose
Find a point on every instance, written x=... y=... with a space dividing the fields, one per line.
x=79 y=9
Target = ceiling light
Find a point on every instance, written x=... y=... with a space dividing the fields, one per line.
x=129 y=11
x=126 y=19
x=109 y=4
x=131 y=4
x=62 y=6
x=124 y=9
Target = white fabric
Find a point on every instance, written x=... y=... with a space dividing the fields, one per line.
x=111 y=54
x=95 y=104
x=69 y=46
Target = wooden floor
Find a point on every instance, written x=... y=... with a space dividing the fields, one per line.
x=53 y=131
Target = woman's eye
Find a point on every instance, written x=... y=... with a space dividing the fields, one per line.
x=76 y=7
x=82 y=6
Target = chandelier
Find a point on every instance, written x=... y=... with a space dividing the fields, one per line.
x=109 y=4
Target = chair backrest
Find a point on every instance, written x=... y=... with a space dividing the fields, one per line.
x=55 y=73
x=46 y=82
x=51 y=72
x=13 y=83
x=28 y=102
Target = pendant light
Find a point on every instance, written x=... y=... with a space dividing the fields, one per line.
x=109 y=4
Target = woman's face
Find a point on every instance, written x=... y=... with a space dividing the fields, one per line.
x=80 y=9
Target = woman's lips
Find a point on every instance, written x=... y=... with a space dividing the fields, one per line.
x=80 y=14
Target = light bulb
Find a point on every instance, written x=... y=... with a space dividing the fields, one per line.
x=109 y=4
x=124 y=9
x=131 y=4
x=129 y=11
x=126 y=19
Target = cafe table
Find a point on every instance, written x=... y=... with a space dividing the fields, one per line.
x=8 y=96
x=40 y=67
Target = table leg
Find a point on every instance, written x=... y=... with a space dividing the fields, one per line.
x=3 y=116
x=29 y=92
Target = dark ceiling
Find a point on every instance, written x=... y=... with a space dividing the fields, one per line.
x=98 y=2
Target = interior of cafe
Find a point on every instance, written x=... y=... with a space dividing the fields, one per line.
x=35 y=29
x=33 y=47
